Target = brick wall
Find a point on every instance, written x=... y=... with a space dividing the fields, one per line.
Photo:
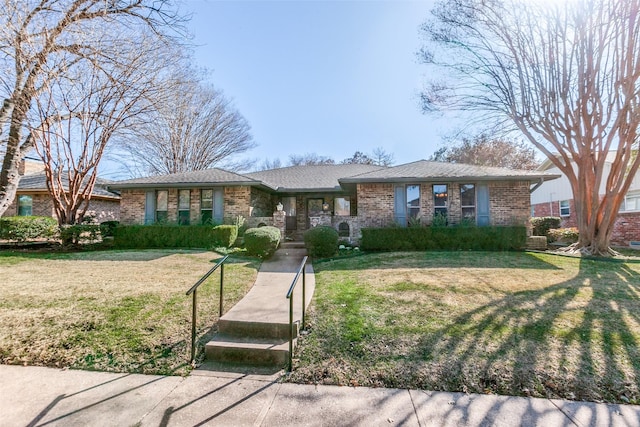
x=375 y=205
x=509 y=203
x=625 y=229
x=237 y=201
x=132 y=206
x=104 y=210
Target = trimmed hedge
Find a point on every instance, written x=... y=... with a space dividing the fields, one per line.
x=174 y=236
x=541 y=225
x=74 y=234
x=321 y=241
x=444 y=238
x=21 y=228
x=262 y=241
x=108 y=228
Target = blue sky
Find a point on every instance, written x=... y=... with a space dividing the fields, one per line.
x=329 y=77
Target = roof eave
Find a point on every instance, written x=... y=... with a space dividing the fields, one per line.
x=206 y=184
x=404 y=180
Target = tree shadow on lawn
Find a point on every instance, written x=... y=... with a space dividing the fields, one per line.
x=577 y=339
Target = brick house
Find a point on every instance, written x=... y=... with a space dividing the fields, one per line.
x=346 y=197
x=556 y=199
x=33 y=198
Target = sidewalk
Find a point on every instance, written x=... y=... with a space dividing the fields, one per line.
x=35 y=396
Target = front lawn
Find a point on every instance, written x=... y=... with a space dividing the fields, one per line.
x=510 y=323
x=123 y=311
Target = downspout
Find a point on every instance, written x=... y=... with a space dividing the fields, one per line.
x=535 y=187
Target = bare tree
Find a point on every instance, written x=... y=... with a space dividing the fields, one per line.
x=359 y=158
x=79 y=112
x=381 y=157
x=564 y=74
x=485 y=151
x=194 y=127
x=309 y=159
x=42 y=39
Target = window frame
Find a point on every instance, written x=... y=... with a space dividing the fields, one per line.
x=204 y=217
x=413 y=211
x=346 y=207
x=567 y=208
x=20 y=206
x=162 y=215
x=184 y=213
x=464 y=207
x=441 y=210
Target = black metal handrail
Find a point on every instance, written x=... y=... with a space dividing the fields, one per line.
x=194 y=290
x=301 y=270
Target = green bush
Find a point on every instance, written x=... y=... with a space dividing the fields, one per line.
x=74 y=234
x=565 y=235
x=262 y=241
x=22 y=228
x=540 y=226
x=174 y=236
x=108 y=228
x=321 y=241
x=444 y=238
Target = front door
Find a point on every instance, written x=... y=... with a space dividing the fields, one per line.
x=289 y=207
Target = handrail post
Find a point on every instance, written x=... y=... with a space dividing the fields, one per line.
x=221 y=288
x=304 y=293
x=291 y=333
x=193 y=327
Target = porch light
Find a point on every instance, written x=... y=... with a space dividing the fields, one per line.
x=279 y=206
x=325 y=207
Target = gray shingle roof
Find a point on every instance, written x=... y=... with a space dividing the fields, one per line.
x=311 y=178
x=423 y=170
x=201 y=177
x=38 y=182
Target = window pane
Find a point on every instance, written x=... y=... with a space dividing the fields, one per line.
x=440 y=195
x=183 y=217
x=206 y=200
x=206 y=217
x=564 y=208
x=342 y=206
x=468 y=195
x=162 y=200
x=413 y=201
x=184 y=199
x=469 y=213
x=25 y=205
x=161 y=216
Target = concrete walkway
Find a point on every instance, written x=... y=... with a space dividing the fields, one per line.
x=35 y=396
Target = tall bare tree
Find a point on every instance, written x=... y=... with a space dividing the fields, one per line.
x=309 y=159
x=79 y=113
x=485 y=151
x=564 y=74
x=192 y=127
x=41 y=40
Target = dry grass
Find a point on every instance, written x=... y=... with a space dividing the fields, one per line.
x=508 y=323
x=112 y=310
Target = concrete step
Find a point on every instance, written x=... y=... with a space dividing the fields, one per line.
x=255 y=330
x=292 y=245
x=257 y=352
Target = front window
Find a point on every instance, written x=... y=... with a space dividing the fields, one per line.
x=565 y=210
x=468 y=202
x=440 y=202
x=162 y=205
x=413 y=201
x=25 y=205
x=342 y=206
x=184 y=206
x=631 y=202
x=206 y=206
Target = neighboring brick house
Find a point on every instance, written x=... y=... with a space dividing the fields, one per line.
x=556 y=199
x=33 y=198
x=347 y=197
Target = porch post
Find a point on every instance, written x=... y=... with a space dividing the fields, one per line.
x=279 y=221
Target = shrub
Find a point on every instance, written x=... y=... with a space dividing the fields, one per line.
x=174 y=236
x=21 y=228
x=542 y=225
x=262 y=241
x=566 y=235
x=444 y=238
x=321 y=241
x=108 y=228
x=74 y=234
